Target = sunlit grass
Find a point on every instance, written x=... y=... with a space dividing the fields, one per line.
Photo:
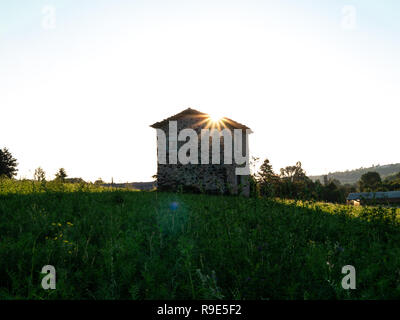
x=113 y=244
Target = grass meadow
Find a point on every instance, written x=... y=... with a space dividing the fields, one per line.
x=115 y=244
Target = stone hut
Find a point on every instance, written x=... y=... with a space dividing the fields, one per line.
x=206 y=177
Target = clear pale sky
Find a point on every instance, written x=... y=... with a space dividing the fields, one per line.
x=79 y=89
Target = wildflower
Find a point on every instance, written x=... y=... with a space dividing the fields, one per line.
x=59 y=224
x=66 y=241
x=69 y=224
x=55 y=238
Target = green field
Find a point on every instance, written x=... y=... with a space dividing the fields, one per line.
x=108 y=244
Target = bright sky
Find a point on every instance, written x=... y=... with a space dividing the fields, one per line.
x=81 y=81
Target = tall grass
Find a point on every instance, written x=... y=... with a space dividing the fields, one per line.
x=113 y=244
x=8 y=186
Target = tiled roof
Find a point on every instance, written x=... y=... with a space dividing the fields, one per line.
x=194 y=113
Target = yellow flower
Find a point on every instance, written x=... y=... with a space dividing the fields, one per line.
x=66 y=241
x=55 y=238
x=69 y=224
x=59 y=224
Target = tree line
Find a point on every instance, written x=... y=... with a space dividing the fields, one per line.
x=8 y=169
x=292 y=183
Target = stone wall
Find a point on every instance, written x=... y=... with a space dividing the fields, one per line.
x=209 y=178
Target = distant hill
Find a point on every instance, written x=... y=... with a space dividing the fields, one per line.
x=352 y=176
x=393 y=177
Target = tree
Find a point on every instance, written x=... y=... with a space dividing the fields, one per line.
x=267 y=179
x=336 y=182
x=8 y=165
x=331 y=192
x=74 y=180
x=99 y=182
x=370 y=181
x=266 y=173
x=293 y=173
x=295 y=183
x=61 y=174
x=39 y=175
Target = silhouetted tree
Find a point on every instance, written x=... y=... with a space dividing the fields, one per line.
x=8 y=165
x=370 y=181
x=331 y=192
x=293 y=183
x=267 y=179
x=326 y=181
x=61 y=174
x=74 y=180
x=293 y=173
x=392 y=182
x=39 y=174
x=317 y=190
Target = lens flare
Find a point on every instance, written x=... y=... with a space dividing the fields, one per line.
x=215 y=117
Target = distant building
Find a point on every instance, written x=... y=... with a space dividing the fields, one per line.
x=385 y=198
x=210 y=178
